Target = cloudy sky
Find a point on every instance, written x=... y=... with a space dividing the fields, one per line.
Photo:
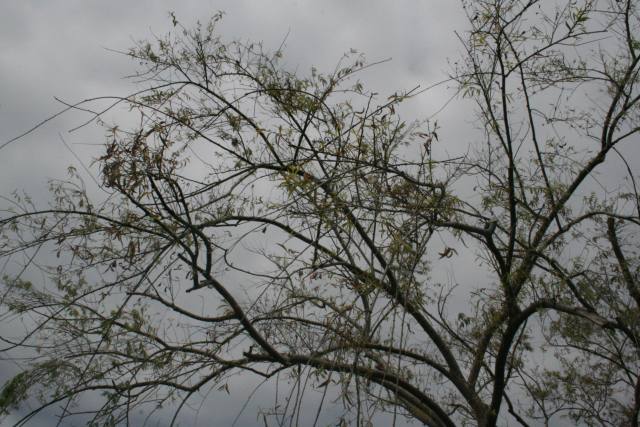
x=67 y=50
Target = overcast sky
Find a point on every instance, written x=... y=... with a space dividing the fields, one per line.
x=66 y=50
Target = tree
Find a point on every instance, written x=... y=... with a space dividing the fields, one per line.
x=309 y=220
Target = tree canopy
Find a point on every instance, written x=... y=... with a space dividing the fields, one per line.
x=290 y=226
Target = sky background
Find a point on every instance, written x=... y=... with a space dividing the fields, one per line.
x=68 y=50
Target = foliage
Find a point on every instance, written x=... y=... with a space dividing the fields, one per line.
x=310 y=222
